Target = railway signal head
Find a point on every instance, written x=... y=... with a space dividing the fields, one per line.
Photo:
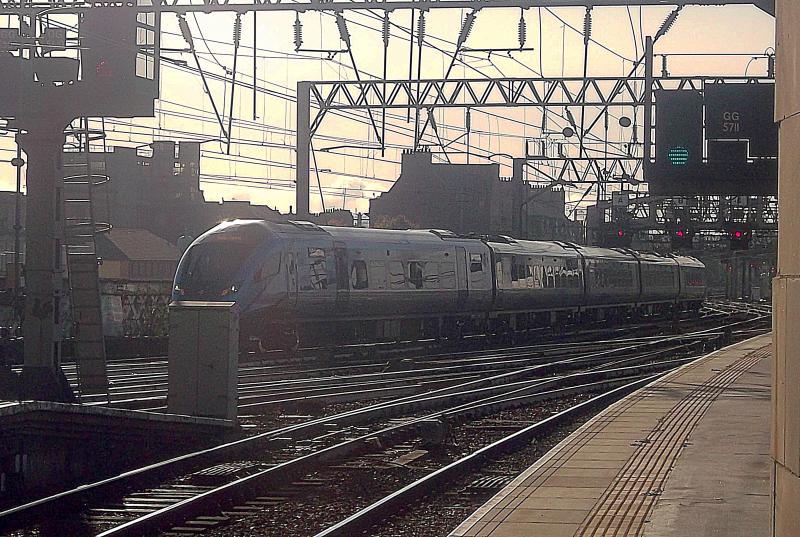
x=678 y=156
x=616 y=238
x=739 y=238
x=682 y=238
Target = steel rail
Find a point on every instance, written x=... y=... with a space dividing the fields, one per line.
x=283 y=473
x=464 y=393
x=365 y=518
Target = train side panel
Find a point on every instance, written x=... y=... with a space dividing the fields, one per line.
x=612 y=277
x=536 y=276
x=391 y=274
x=692 y=280
x=660 y=278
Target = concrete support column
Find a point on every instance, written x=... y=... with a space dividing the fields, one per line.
x=42 y=377
x=786 y=287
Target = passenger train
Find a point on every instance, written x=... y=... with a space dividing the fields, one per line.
x=299 y=282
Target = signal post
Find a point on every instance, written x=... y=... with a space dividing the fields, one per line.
x=115 y=74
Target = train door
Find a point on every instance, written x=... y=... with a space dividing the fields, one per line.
x=461 y=276
x=291 y=275
x=342 y=277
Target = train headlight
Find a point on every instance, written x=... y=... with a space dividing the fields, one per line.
x=232 y=289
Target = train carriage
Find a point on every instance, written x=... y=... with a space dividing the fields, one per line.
x=660 y=281
x=612 y=277
x=532 y=276
x=692 y=281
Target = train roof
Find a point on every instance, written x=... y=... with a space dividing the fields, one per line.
x=608 y=253
x=393 y=236
x=523 y=247
x=498 y=243
x=688 y=261
x=653 y=258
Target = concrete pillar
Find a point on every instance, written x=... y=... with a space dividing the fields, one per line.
x=786 y=287
x=42 y=377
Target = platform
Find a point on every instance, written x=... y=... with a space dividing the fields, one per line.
x=46 y=447
x=688 y=455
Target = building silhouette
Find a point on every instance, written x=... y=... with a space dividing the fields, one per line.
x=471 y=198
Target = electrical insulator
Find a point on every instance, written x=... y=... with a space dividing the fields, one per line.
x=668 y=22
x=298 y=32
x=466 y=28
x=421 y=29
x=385 y=30
x=237 y=29
x=522 y=29
x=587 y=25
x=344 y=34
x=186 y=32
x=570 y=117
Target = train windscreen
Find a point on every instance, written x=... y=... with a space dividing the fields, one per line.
x=211 y=267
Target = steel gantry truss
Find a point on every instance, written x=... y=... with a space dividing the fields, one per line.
x=703 y=213
x=593 y=96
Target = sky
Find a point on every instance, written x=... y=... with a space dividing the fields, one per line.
x=260 y=167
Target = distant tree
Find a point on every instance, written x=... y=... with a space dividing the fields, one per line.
x=399 y=221
x=339 y=220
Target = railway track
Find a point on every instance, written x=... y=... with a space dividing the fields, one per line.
x=196 y=489
x=142 y=384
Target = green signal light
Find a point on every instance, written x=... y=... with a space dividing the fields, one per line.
x=678 y=156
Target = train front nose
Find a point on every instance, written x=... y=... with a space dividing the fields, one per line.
x=215 y=265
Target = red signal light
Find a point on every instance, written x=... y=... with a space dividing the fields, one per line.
x=738 y=234
x=680 y=233
x=620 y=233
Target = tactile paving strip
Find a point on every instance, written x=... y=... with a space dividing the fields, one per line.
x=624 y=506
x=605 y=479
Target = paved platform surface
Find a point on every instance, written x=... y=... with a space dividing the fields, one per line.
x=688 y=455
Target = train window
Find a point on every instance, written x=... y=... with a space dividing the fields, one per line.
x=397 y=276
x=317 y=270
x=551 y=277
x=377 y=274
x=447 y=275
x=358 y=275
x=475 y=263
x=271 y=267
x=431 y=272
x=415 y=274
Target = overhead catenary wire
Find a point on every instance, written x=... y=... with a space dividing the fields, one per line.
x=214 y=57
